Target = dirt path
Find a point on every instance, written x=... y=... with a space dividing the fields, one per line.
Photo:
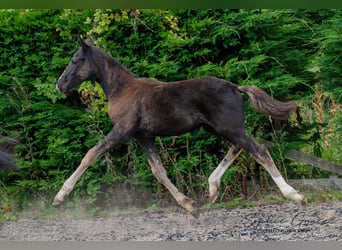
x=270 y=222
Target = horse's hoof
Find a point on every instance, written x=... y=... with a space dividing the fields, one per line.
x=56 y=201
x=213 y=198
x=195 y=213
x=304 y=202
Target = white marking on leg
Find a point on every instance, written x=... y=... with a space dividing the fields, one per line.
x=287 y=190
x=215 y=178
x=69 y=184
x=159 y=172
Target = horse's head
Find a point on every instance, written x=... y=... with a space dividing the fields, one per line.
x=79 y=69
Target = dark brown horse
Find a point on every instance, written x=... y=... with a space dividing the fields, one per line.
x=143 y=108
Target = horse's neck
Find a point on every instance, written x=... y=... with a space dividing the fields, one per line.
x=114 y=77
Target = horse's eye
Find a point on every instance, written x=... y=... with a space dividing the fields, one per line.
x=78 y=60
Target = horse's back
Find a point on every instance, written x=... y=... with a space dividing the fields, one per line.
x=171 y=108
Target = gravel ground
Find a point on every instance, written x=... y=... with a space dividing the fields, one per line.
x=287 y=221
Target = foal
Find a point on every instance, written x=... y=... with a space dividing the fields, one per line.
x=143 y=108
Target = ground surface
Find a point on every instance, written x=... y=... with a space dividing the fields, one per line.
x=287 y=221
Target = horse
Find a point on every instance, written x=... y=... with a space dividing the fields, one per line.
x=144 y=108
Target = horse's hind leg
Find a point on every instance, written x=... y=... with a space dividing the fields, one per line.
x=110 y=141
x=263 y=157
x=215 y=178
x=158 y=170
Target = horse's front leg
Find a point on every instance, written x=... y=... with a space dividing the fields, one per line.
x=158 y=170
x=113 y=139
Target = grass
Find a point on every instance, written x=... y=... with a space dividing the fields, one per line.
x=271 y=199
x=234 y=203
x=326 y=196
x=7 y=204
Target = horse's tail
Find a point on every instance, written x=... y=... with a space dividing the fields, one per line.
x=264 y=103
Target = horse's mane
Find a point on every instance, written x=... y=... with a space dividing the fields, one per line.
x=99 y=53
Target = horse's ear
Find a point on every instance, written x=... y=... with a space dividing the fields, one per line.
x=89 y=41
x=83 y=45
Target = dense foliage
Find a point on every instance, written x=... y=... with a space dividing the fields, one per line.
x=292 y=54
